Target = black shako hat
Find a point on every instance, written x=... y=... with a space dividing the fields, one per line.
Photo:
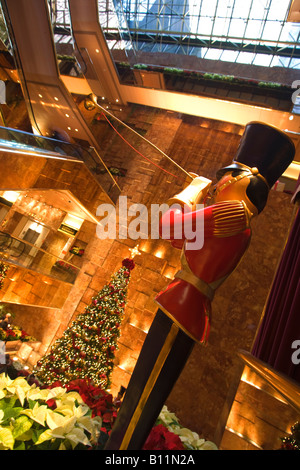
x=264 y=147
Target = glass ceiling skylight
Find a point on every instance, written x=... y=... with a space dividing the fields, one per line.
x=244 y=31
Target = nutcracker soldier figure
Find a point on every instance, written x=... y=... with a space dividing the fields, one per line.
x=184 y=313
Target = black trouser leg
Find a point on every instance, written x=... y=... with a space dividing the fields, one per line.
x=162 y=358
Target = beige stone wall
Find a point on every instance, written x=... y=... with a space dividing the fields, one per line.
x=259 y=417
x=27 y=287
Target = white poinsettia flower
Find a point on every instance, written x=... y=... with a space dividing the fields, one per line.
x=86 y=423
x=19 y=382
x=70 y=432
x=6 y=439
x=37 y=394
x=21 y=394
x=167 y=417
x=188 y=434
x=38 y=413
x=90 y=425
x=19 y=387
x=2 y=382
x=45 y=436
x=74 y=396
x=81 y=410
x=77 y=436
x=208 y=445
x=69 y=422
x=59 y=422
x=189 y=439
x=65 y=407
x=57 y=392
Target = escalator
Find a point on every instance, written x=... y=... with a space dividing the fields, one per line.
x=51 y=108
x=50 y=103
x=91 y=47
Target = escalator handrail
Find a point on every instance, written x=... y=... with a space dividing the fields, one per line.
x=42 y=142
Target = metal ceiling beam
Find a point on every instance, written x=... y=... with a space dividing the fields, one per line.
x=142 y=36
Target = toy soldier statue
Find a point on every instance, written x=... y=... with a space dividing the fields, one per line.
x=184 y=311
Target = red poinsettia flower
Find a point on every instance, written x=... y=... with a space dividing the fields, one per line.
x=162 y=439
x=10 y=333
x=98 y=400
x=51 y=403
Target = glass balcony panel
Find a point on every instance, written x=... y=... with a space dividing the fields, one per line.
x=28 y=256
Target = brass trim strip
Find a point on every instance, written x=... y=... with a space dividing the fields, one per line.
x=150 y=384
x=198 y=283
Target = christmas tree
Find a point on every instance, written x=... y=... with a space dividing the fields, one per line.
x=292 y=441
x=3 y=270
x=87 y=348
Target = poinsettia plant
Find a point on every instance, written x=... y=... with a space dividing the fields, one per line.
x=75 y=250
x=77 y=415
x=167 y=434
x=65 y=266
x=32 y=418
x=160 y=438
x=189 y=439
x=15 y=333
x=100 y=402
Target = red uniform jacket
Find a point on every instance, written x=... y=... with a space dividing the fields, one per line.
x=226 y=236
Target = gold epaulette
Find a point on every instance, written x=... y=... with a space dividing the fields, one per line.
x=230 y=218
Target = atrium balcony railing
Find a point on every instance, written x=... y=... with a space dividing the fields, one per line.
x=26 y=255
x=14 y=140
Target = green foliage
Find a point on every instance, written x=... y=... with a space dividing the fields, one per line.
x=173 y=70
x=216 y=76
x=140 y=66
x=48 y=419
x=269 y=85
